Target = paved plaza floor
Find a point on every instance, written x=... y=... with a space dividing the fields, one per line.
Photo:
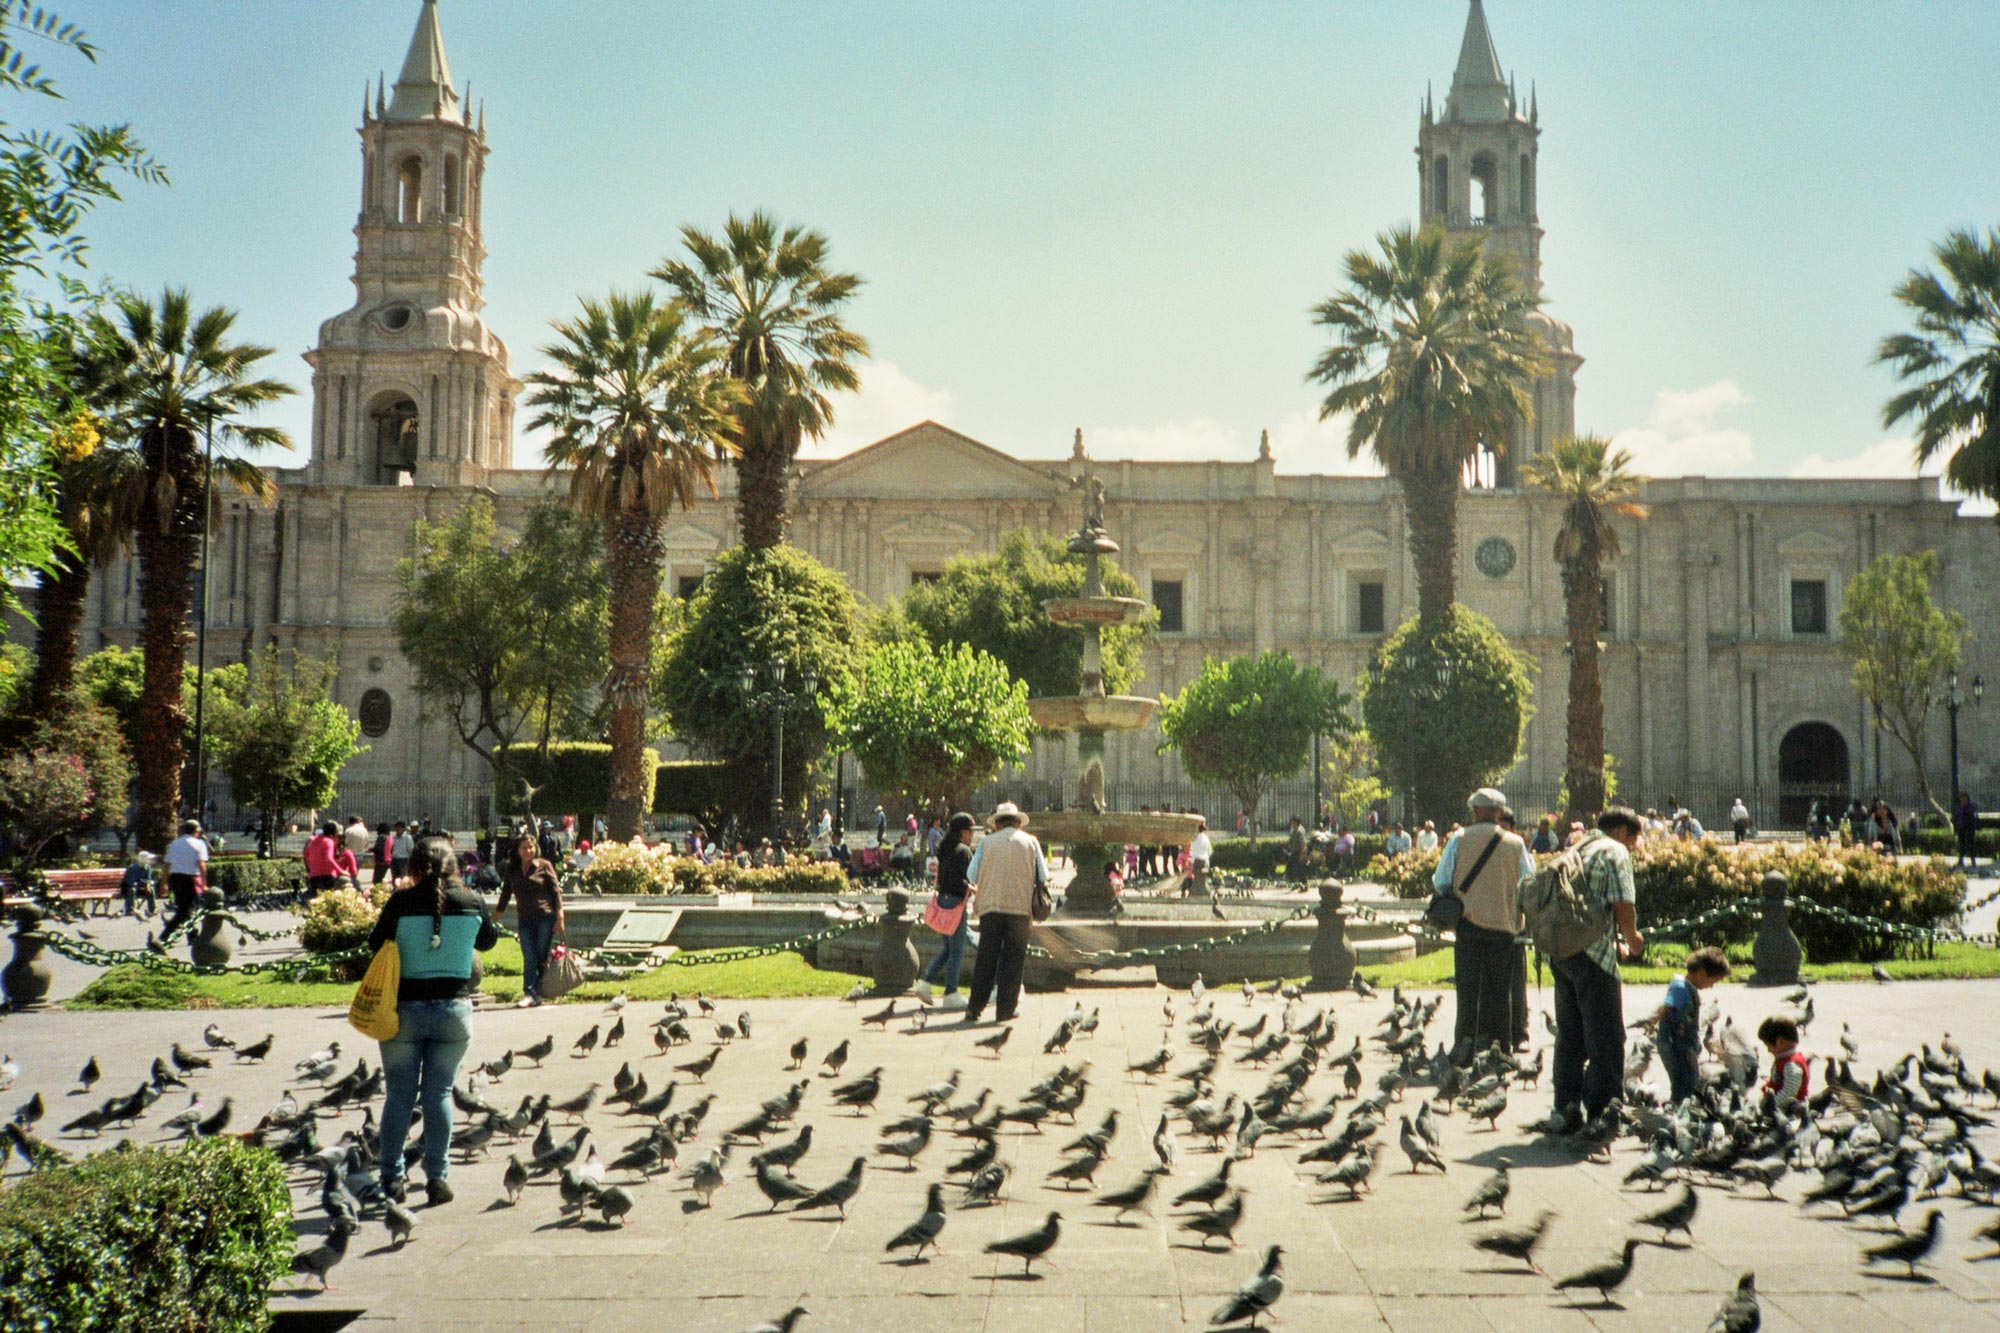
x=1398 y=1258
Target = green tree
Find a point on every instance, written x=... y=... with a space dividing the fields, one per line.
x=639 y=417
x=50 y=181
x=97 y=527
x=1594 y=482
x=931 y=723
x=16 y=665
x=1432 y=356
x=1951 y=361
x=1903 y=647
x=756 y=607
x=80 y=727
x=1351 y=771
x=560 y=586
x=487 y=656
x=114 y=678
x=1248 y=722
x=1446 y=704
x=284 y=740
x=765 y=291
x=163 y=375
x=44 y=795
x=994 y=603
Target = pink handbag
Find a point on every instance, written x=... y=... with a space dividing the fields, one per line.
x=943 y=920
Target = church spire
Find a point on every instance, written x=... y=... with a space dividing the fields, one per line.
x=423 y=89
x=1478 y=89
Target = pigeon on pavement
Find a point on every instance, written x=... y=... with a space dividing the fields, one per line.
x=1255 y=1297
x=1030 y=1245
x=923 y=1233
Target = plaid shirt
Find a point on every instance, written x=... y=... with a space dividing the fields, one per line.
x=1607 y=878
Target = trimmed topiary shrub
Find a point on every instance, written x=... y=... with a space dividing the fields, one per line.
x=246 y=876
x=696 y=787
x=630 y=869
x=339 y=919
x=1407 y=875
x=151 y=1240
x=577 y=778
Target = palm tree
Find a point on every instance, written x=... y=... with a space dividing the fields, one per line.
x=1952 y=361
x=1432 y=356
x=768 y=295
x=641 y=414
x=1594 y=481
x=85 y=503
x=163 y=376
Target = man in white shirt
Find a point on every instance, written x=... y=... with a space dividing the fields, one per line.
x=1428 y=837
x=1398 y=841
x=1200 y=853
x=187 y=860
x=357 y=837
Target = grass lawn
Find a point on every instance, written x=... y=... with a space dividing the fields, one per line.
x=774 y=976
x=1952 y=962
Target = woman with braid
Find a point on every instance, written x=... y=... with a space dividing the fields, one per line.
x=436 y=923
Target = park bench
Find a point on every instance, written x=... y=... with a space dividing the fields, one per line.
x=96 y=887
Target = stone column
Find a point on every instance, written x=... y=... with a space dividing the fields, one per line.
x=1776 y=953
x=1332 y=957
x=895 y=957
x=27 y=978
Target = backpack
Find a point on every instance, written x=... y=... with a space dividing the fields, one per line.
x=1563 y=918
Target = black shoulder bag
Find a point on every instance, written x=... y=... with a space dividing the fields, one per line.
x=1447 y=907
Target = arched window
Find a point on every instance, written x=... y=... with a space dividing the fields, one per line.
x=395 y=421
x=450 y=186
x=1485 y=191
x=410 y=190
x=1441 y=186
x=1527 y=185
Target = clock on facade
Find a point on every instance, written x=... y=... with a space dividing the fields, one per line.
x=1495 y=557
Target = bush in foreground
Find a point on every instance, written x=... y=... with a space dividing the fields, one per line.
x=147 y=1241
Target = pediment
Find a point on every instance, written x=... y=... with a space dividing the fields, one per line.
x=1155 y=545
x=929 y=460
x=929 y=529
x=688 y=537
x=1362 y=541
x=1809 y=543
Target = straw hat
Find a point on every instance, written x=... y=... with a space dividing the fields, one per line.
x=1007 y=810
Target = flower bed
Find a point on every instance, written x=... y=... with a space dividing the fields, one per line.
x=634 y=869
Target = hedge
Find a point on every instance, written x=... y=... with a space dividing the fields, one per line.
x=695 y=787
x=247 y=876
x=147 y=1240
x=1944 y=842
x=1265 y=857
x=576 y=780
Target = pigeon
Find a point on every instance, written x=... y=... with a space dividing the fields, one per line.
x=87 y=1078
x=320 y=1260
x=1219 y=1223
x=212 y=1037
x=985 y=1186
x=255 y=1052
x=787 y=1155
x=585 y=1044
x=881 y=1017
x=1148 y=1068
x=1256 y=1296
x=616 y=1034
x=922 y=1233
x=706 y=1176
x=1139 y=1194
x=617 y=1005
x=215 y=1123
x=577 y=1107
x=1880 y=973
x=9 y=1071
x=780 y=1189
x=789 y=1320
x=1766 y=1171
x=90 y=1122
x=994 y=1043
x=1082 y=1168
x=860 y=1094
x=698 y=1069
x=1739 y=1312
x=400 y=1221
x=833 y=1060
x=1606 y=1277
x=840 y=1193
x=1676 y=1216
x=188 y=1119
x=1030 y=1245
x=613 y=1202
x=1907 y=1249
x=1492 y=1193
x=540 y=1051
x=910 y=1146
x=1209 y=1190
x=798 y=1054
x=515 y=1180
x=1420 y=1153
x=1516 y=1242
x=938 y=1093
x=1165 y=1146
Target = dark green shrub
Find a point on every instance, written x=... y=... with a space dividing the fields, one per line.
x=1265 y=858
x=151 y=1240
x=690 y=787
x=576 y=780
x=241 y=876
x=1944 y=842
x=131 y=986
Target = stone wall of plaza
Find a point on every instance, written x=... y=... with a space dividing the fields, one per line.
x=1719 y=625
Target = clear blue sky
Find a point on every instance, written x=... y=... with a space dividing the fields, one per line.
x=1113 y=215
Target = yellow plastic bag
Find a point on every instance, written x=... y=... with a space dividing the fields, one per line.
x=373 y=1012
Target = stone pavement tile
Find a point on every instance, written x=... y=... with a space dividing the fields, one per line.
x=1130 y=1314
x=1435 y=1314
x=1832 y=1311
x=1469 y=1280
x=1934 y=1310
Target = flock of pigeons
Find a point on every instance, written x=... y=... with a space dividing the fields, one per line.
x=1273 y=1070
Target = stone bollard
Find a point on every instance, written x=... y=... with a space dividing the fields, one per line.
x=1776 y=954
x=895 y=956
x=209 y=947
x=27 y=977
x=1332 y=956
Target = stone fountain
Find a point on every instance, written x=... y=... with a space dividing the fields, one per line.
x=1094 y=834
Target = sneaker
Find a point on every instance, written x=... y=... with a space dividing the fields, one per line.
x=922 y=990
x=438 y=1193
x=525 y=1002
x=953 y=1000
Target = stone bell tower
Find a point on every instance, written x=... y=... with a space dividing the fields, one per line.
x=1477 y=176
x=410 y=388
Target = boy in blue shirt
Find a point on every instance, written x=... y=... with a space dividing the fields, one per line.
x=1677 y=1023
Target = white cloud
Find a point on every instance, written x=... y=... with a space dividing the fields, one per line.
x=1890 y=456
x=1685 y=433
x=888 y=401
x=1302 y=442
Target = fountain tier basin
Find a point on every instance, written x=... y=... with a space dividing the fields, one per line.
x=1116 y=828
x=1097 y=610
x=1088 y=712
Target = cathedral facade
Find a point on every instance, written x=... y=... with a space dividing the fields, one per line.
x=1722 y=674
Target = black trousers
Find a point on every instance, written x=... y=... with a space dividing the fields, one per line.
x=1003 y=953
x=1968 y=845
x=1483 y=971
x=1590 y=1036
x=182 y=888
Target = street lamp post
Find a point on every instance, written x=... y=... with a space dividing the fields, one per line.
x=779 y=701
x=1954 y=699
x=201 y=629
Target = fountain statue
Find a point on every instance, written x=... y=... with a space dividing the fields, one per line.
x=1094 y=834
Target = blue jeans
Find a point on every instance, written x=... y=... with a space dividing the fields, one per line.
x=950 y=957
x=421 y=1062
x=538 y=936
